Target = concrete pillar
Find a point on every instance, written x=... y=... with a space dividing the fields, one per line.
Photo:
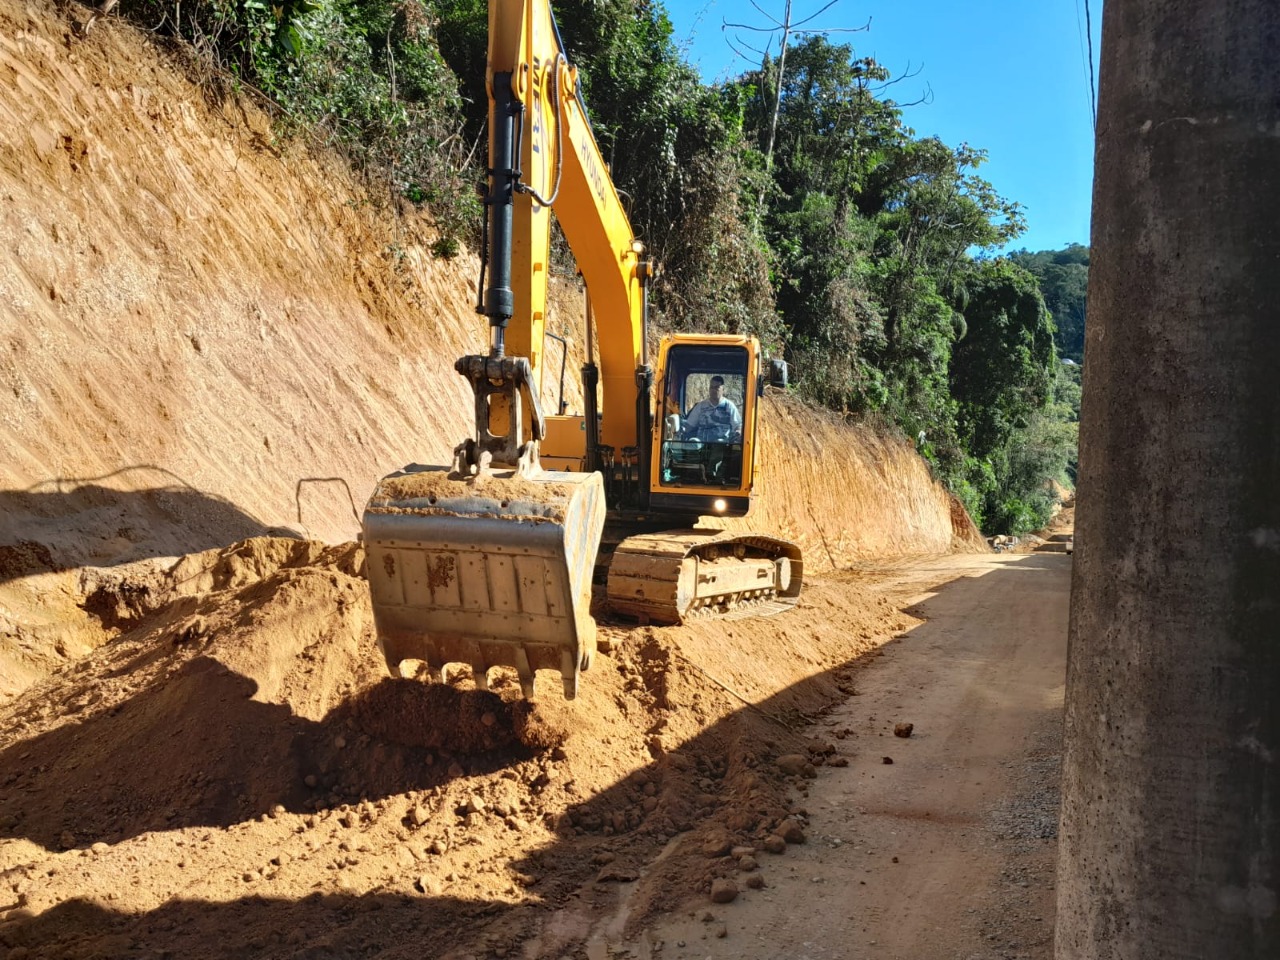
x=1170 y=840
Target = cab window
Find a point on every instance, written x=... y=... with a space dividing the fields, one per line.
x=704 y=399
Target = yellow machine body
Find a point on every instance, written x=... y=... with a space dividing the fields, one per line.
x=489 y=562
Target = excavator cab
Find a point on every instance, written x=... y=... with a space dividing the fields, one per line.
x=704 y=442
x=705 y=394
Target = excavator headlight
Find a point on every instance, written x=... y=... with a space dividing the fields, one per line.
x=720 y=506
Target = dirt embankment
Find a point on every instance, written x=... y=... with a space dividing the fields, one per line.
x=846 y=493
x=191 y=307
x=211 y=343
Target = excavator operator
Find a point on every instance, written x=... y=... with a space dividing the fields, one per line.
x=715 y=419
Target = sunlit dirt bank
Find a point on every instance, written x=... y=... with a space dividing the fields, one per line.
x=211 y=345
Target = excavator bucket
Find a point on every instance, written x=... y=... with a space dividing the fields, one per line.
x=485 y=570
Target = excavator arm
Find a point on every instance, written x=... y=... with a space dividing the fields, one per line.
x=544 y=158
x=490 y=562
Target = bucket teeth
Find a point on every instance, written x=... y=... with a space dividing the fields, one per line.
x=488 y=570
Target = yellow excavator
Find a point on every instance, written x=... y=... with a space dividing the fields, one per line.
x=490 y=561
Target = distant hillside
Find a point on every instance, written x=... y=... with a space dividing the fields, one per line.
x=1064 y=281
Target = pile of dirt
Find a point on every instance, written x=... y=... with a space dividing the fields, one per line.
x=1064 y=516
x=239 y=743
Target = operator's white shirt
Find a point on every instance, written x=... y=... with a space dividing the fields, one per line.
x=722 y=418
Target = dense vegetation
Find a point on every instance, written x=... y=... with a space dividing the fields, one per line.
x=1064 y=278
x=799 y=207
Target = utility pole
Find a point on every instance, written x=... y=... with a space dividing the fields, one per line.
x=1170 y=839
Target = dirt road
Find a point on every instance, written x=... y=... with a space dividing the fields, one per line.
x=940 y=845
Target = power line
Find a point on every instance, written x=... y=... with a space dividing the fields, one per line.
x=1093 y=90
x=1084 y=66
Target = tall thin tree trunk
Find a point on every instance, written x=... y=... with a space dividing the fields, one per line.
x=777 y=106
x=777 y=92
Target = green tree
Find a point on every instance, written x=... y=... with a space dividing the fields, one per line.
x=1003 y=375
x=1064 y=281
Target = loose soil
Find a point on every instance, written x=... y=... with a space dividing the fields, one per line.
x=234 y=771
x=492 y=493
x=235 y=776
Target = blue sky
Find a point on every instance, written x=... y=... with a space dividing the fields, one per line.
x=1007 y=76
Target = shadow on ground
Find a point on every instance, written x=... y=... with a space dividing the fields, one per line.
x=181 y=753
x=64 y=523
